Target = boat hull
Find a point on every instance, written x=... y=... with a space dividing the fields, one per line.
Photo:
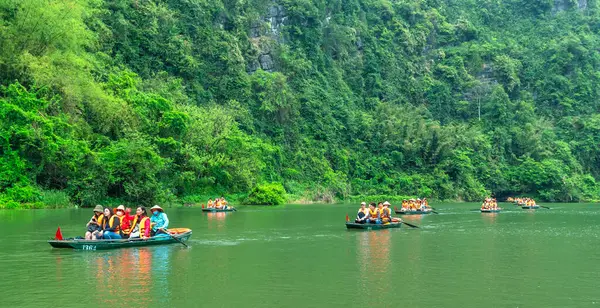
x=413 y=212
x=353 y=225
x=491 y=211
x=122 y=243
x=212 y=210
x=526 y=207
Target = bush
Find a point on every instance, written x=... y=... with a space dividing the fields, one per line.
x=267 y=194
x=54 y=199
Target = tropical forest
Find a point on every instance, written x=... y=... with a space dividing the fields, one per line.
x=274 y=101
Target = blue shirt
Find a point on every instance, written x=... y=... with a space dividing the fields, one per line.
x=161 y=220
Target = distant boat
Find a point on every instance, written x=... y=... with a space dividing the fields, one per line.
x=177 y=235
x=215 y=210
x=491 y=210
x=368 y=226
x=530 y=207
x=413 y=212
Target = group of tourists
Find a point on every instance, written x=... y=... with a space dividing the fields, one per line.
x=375 y=214
x=219 y=203
x=117 y=223
x=489 y=204
x=524 y=201
x=415 y=205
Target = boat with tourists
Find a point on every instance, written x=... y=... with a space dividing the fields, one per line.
x=175 y=235
x=370 y=226
x=405 y=211
x=497 y=210
x=215 y=210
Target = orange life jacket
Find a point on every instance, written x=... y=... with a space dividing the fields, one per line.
x=210 y=204
x=111 y=222
x=143 y=226
x=374 y=214
x=99 y=219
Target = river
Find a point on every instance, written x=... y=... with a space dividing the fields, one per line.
x=303 y=256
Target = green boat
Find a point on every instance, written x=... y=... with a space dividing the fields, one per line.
x=214 y=210
x=532 y=207
x=180 y=234
x=491 y=211
x=417 y=212
x=353 y=225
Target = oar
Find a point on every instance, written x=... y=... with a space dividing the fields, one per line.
x=173 y=237
x=433 y=211
x=544 y=207
x=410 y=225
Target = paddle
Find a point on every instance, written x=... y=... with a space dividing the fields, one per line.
x=544 y=207
x=410 y=225
x=171 y=235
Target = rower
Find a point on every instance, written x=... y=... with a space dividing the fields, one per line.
x=386 y=213
x=159 y=220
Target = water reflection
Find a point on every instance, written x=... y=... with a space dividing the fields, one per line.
x=142 y=272
x=490 y=217
x=216 y=220
x=374 y=261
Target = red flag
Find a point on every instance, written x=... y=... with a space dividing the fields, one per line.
x=58 y=235
x=347 y=218
x=202 y=205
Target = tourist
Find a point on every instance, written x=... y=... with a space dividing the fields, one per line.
x=159 y=221
x=363 y=214
x=141 y=224
x=373 y=214
x=94 y=226
x=112 y=225
x=210 y=203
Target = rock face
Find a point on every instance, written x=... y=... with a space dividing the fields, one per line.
x=264 y=35
x=563 y=5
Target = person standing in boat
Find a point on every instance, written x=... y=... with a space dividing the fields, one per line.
x=159 y=220
x=141 y=224
x=363 y=214
x=112 y=225
x=94 y=226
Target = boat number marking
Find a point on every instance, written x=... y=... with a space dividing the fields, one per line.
x=89 y=247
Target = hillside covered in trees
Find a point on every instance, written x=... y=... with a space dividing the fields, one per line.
x=168 y=101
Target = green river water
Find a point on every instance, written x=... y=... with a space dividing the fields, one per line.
x=303 y=256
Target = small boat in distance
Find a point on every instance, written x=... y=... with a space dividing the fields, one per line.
x=530 y=207
x=369 y=226
x=215 y=210
x=497 y=210
x=412 y=212
x=176 y=235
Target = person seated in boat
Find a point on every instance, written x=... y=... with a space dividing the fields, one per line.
x=126 y=222
x=141 y=224
x=210 y=203
x=385 y=213
x=224 y=203
x=218 y=203
x=94 y=226
x=373 y=214
x=404 y=205
x=363 y=214
x=426 y=203
x=112 y=225
x=159 y=221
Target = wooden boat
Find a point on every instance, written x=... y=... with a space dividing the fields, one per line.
x=181 y=234
x=215 y=210
x=530 y=207
x=368 y=226
x=413 y=212
x=491 y=211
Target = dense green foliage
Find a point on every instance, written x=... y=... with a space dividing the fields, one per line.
x=148 y=101
x=267 y=194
